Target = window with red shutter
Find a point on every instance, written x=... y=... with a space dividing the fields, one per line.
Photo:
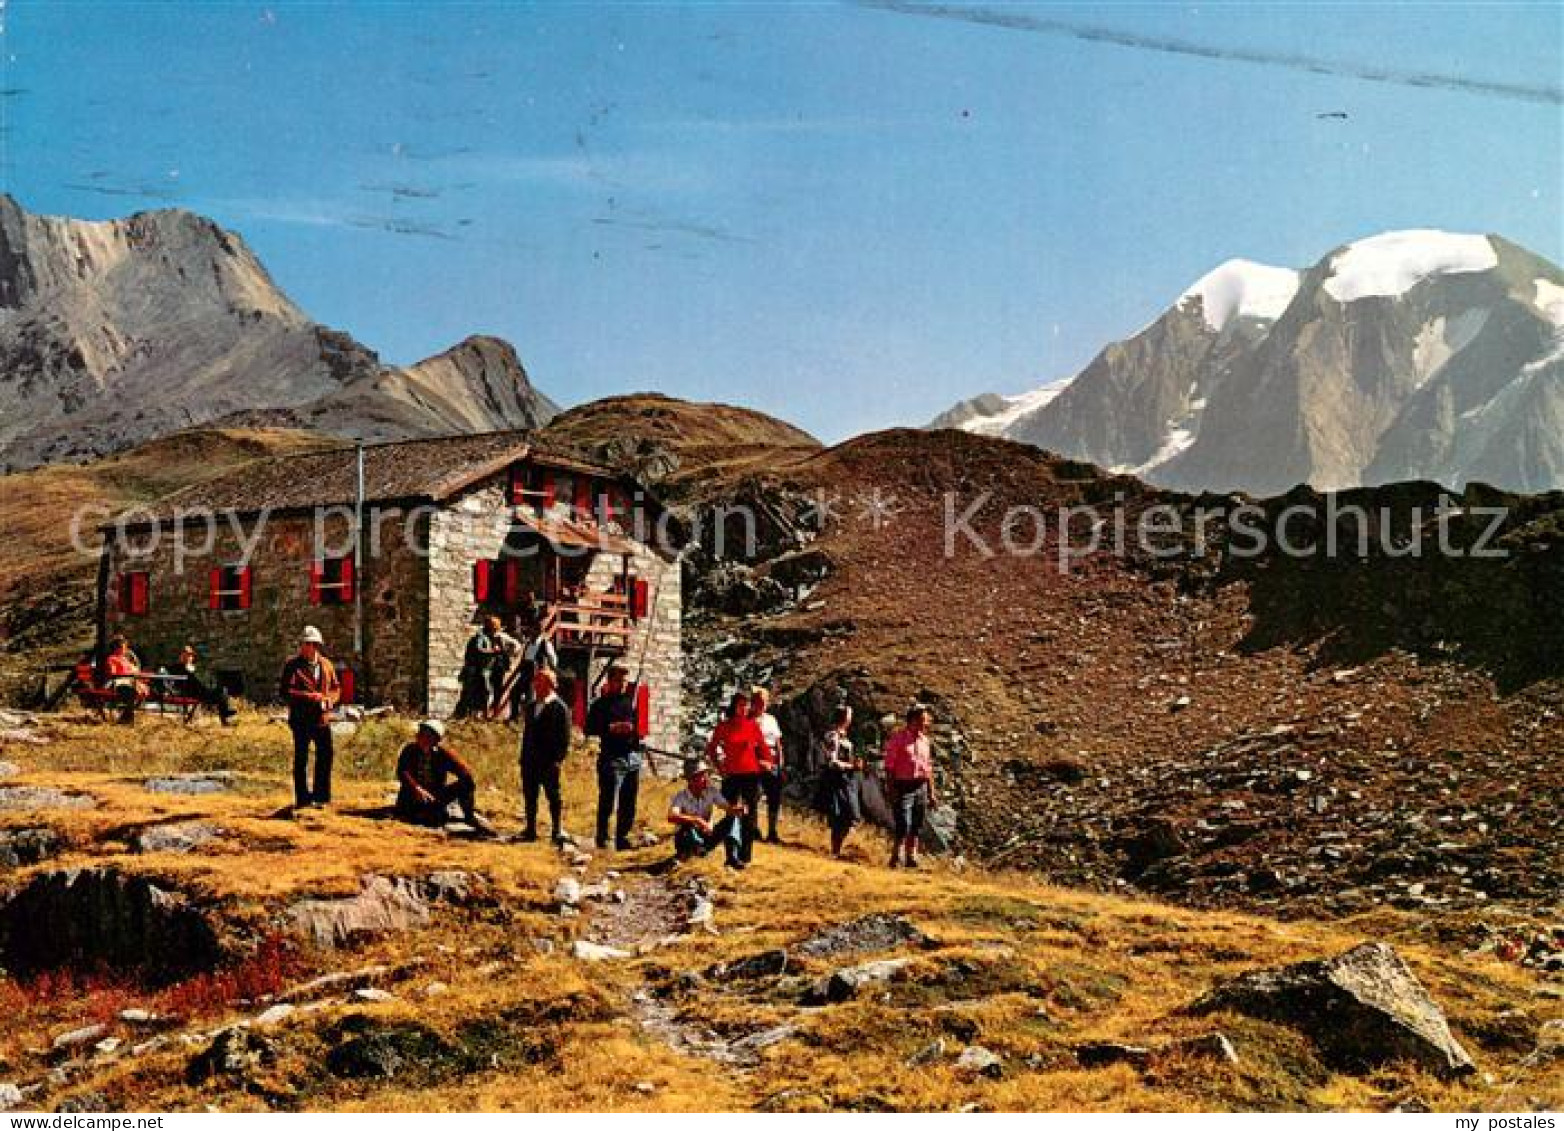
x=331 y=581
x=347 y=684
x=215 y=589
x=512 y=581
x=231 y=587
x=640 y=598
x=133 y=590
x=480 y=580
x=583 y=503
x=643 y=709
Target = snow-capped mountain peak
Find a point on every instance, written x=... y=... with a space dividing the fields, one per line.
x=1259 y=378
x=1391 y=264
x=1245 y=288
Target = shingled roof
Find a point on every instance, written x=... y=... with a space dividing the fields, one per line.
x=430 y=470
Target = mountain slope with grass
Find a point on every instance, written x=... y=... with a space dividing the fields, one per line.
x=487 y=982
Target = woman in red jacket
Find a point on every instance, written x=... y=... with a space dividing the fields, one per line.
x=743 y=755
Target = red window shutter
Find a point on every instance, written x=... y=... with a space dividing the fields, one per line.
x=643 y=709
x=124 y=592
x=346 y=684
x=548 y=489
x=348 y=581
x=215 y=598
x=317 y=572
x=244 y=587
x=518 y=483
x=512 y=581
x=640 y=598
x=583 y=503
x=138 y=593
x=578 y=702
x=480 y=580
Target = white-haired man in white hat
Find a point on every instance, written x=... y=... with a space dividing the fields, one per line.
x=431 y=776
x=310 y=687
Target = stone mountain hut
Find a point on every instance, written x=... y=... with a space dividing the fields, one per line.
x=396 y=551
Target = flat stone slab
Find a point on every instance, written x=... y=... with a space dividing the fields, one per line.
x=217 y=781
x=181 y=837
x=17 y=797
x=381 y=906
x=879 y=931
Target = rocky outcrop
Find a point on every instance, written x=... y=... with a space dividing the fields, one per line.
x=100 y=918
x=1362 y=1008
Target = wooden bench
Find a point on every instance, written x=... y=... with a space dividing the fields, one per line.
x=101 y=700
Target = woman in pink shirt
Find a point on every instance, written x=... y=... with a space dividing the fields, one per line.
x=909 y=775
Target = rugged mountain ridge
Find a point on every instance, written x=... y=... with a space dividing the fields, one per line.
x=1409 y=355
x=115 y=332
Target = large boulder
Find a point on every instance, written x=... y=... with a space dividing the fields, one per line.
x=1362 y=1008
x=92 y=918
x=382 y=906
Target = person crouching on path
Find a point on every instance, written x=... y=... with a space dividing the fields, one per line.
x=691 y=813
x=772 y=780
x=431 y=776
x=909 y=773
x=612 y=720
x=741 y=753
x=544 y=744
x=840 y=772
x=310 y=688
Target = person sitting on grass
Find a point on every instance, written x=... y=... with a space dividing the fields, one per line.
x=422 y=770
x=691 y=813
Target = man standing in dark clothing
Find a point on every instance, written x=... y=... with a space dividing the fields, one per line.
x=544 y=745
x=477 y=667
x=431 y=776
x=612 y=721
x=310 y=688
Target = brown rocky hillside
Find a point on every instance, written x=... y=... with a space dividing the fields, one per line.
x=1281 y=733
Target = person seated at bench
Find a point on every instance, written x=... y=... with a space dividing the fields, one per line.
x=691 y=813
x=432 y=776
x=121 y=669
x=191 y=686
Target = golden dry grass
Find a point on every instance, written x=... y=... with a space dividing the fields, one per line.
x=1037 y=970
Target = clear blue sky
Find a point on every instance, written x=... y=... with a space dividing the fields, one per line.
x=845 y=215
